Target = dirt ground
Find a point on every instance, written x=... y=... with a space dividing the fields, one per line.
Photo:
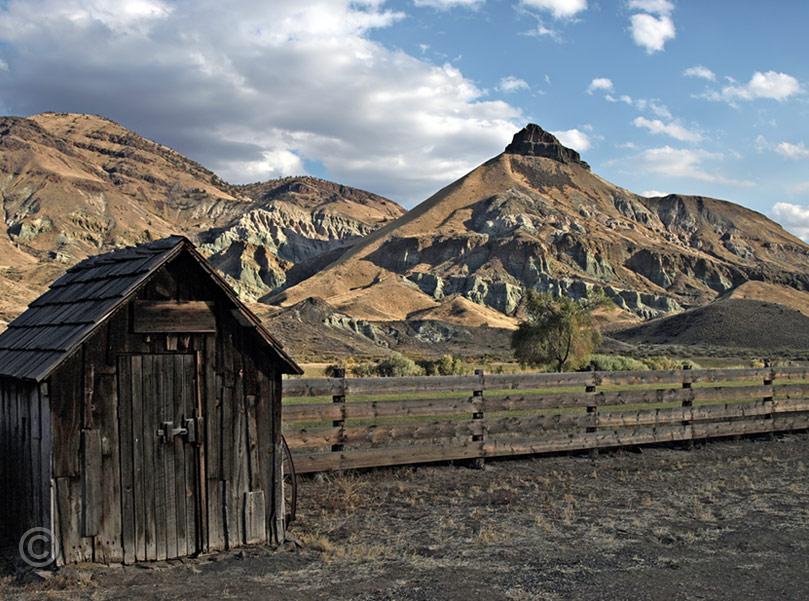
x=728 y=520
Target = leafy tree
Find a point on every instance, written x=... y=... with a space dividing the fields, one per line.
x=557 y=331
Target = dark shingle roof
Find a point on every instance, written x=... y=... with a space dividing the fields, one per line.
x=57 y=322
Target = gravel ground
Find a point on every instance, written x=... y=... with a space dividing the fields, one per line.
x=727 y=520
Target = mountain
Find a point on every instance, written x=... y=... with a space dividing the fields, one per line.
x=73 y=185
x=536 y=217
x=292 y=226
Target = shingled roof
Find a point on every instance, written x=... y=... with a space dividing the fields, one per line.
x=86 y=295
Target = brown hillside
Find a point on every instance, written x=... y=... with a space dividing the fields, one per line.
x=72 y=185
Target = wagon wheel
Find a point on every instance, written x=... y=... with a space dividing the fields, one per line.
x=290 y=484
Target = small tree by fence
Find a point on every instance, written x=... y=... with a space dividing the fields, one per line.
x=343 y=423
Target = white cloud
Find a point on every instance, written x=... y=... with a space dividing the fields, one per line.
x=290 y=79
x=652 y=33
x=673 y=129
x=600 y=83
x=447 y=4
x=512 y=84
x=771 y=85
x=684 y=163
x=560 y=9
x=656 y=7
x=794 y=218
x=653 y=193
x=792 y=151
x=574 y=138
x=700 y=72
x=273 y=164
x=623 y=98
x=661 y=110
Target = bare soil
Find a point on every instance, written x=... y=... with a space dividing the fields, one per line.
x=727 y=520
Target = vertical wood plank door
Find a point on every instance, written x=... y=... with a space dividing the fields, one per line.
x=159 y=486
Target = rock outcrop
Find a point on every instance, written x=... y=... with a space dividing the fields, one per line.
x=534 y=141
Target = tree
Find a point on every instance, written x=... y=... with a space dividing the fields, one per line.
x=557 y=331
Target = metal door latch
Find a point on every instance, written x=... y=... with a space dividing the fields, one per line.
x=168 y=432
x=189 y=430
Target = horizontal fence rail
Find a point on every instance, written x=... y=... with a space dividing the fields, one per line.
x=344 y=423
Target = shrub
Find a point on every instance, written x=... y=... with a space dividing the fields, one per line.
x=398 y=365
x=664 y=362
x=600 y=362
x=447 y=365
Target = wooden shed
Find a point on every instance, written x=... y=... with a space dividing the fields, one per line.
x=140 y=416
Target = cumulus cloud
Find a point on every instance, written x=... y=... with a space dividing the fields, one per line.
x=447 y=4
x=600 y=83
x=771 y=85
x=792 y=151
x=794 y=218
x=673 y=129
x=510 y=84
x=652 y=26
x=700 y=72
x=684 y=163
x=272 y=164
x=651 y=32
x=559 y=9
x=574 y=138
x=245 y=87
x=653 y=193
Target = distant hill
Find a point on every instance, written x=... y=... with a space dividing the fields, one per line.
x=728 y=322
x=73 y=185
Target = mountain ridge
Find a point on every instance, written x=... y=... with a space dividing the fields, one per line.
x=72 y=185
x=539 y=218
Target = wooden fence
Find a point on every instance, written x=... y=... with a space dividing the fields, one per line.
x=343 y=423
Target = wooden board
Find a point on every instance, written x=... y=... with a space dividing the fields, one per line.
x=254 y=517
x=90 y=482
x=382 y=434
x=163 y=317
x=320 y=462
x=316 y=412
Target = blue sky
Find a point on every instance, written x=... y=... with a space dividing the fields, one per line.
x=402 y=97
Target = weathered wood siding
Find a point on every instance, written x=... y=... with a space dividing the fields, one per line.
x=236 y=391
x=24 y=459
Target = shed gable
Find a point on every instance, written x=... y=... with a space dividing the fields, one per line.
x=82 y=299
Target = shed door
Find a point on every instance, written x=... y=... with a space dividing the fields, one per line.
x=159 y=469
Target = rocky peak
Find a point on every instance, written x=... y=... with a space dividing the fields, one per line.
x=534 y=141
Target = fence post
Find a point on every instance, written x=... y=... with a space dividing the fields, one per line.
x=340 y=400
x=688 y=403
x=479 y=418
x=592 y=409
x=770 y=398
